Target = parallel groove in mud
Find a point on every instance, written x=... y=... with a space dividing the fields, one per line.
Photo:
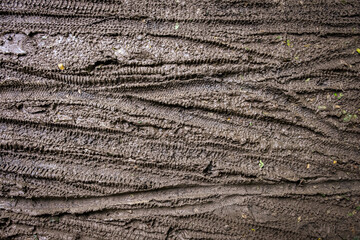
x=157 y=125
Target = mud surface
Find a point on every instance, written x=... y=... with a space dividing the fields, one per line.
x=179 y=119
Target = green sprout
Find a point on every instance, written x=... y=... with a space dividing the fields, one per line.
x=347 y=118
x=307 y=80
x=338 y=95
x=352 y=213
x=288 y=43
x=176 y=26
x=350 y=117
x=358 y=50
x=261 y=164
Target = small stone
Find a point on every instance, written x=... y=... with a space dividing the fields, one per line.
x=121 y=52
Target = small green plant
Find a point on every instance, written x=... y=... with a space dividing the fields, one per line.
x=345 y=197
x=261 y=164
x=351 y=213
x=338 y=95
x=177 y=26
x=288 y=43
x=348 y=117
x=358 y=50
x=307 y=80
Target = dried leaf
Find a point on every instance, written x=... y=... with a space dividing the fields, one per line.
x=61 y=66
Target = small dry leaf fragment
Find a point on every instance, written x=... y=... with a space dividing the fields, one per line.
x=61 y=66
x=308 y=165
x=299 y=219
x=244 y=216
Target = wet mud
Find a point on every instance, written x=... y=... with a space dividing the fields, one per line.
x=179 y=119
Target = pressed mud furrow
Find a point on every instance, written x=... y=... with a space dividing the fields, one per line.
x=55 y=206
x=72 y=134
x=179 y=120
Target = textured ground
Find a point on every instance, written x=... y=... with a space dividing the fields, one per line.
x=179 y=119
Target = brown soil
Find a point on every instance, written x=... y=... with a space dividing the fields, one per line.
x=179 y=119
